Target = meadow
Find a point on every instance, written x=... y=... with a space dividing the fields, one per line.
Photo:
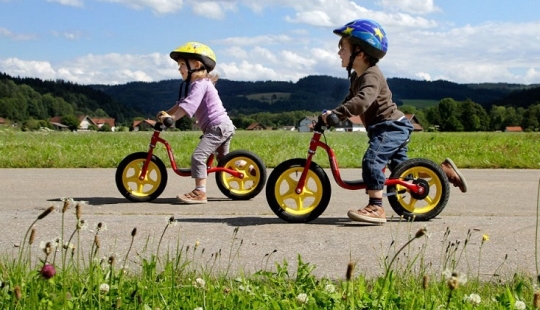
x=483 y=150
x=58 y=274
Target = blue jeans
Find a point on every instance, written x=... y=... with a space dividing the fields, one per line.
x=385 y=139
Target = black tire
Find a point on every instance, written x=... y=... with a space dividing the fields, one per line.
x=419 y=207
x=254 y=178
x=127 y=178
x=286 y=203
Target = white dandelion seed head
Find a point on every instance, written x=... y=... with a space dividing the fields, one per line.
x=473 y=299
x=200 y=283
x=330 y=288
x=104 y=288
x=520 y=305
x=302 y=298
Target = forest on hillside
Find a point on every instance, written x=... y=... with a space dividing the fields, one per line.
x=456 y=107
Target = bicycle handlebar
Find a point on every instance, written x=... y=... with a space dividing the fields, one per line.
x=331 y=120
x=167 y=123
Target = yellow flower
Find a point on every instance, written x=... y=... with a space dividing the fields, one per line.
x=485 y=238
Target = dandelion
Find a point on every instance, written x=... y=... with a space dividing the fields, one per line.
x=104 y=288
x=520 y=305
x=454 y=279
x=47 y=271
x=473 y=299
x=485 y=238
x=82 y=225
x=200 y=283
x=302 y=298
x=330 y=288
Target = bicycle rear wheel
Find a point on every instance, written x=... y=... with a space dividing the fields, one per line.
x=427 y=174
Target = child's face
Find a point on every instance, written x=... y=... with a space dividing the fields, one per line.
x=344 y=52
x=182 y=67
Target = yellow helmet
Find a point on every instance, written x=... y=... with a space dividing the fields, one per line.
x=198 y=51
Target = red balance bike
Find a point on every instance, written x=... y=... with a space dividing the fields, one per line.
x=142 y=177
x=298 y=190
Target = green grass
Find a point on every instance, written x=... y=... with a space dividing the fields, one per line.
x=59 y=275
x=106 y=150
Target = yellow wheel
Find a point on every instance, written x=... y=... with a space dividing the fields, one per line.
x=419 y=207
x=254 y=178
x=132 y=187
x=295 y=207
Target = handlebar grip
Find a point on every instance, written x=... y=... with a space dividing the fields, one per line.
x=168 y=121
x=332 y=119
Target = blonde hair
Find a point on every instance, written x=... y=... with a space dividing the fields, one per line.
x=197 y=75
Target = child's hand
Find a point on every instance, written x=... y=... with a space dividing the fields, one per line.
x=161 y=115
x=325 y=114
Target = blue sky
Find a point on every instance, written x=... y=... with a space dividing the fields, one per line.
x=120 y=41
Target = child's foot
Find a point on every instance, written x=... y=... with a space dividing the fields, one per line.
x=195 y=196
x=454 y=176
x=370 y=214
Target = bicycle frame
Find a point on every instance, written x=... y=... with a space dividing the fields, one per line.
x=351 y=185
x=183 y=172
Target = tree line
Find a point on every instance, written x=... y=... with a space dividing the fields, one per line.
x=32 y=102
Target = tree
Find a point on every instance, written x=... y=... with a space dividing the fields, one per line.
x=71 y=121
x=448 y=110
x=473 y=116
x=184 y=124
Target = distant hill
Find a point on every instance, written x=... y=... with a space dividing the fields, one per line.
x=312 y=93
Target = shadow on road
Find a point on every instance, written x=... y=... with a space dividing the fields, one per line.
x=256 y=220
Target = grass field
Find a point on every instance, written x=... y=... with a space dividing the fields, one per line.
x=106 y=150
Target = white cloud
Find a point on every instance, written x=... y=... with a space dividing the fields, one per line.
x=211 y=10
x=15 y=36
x=315 y=18
x=158 y=6
x=410 y=6
x=256 y=40
x=75 y=3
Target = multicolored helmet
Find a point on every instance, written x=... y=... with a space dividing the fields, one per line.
x=368 y=34
x=198 y=51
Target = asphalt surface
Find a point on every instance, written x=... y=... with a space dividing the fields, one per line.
x=501 y=204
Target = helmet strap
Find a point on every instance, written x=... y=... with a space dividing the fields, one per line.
x=186 y=82
x=356 y=52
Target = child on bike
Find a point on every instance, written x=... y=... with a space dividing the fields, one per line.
x=363 y=43
x=201 y=100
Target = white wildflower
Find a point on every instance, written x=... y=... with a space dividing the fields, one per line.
x=330 y=288
x=520 y=305
x=302 y=298
x=104 y=288
x=199 y=308
x=473 y=299
x=82 y=225
x=200 y=283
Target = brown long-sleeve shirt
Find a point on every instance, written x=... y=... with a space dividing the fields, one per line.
x=370 y=98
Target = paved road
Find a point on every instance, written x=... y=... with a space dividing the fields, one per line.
x=500 y=203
